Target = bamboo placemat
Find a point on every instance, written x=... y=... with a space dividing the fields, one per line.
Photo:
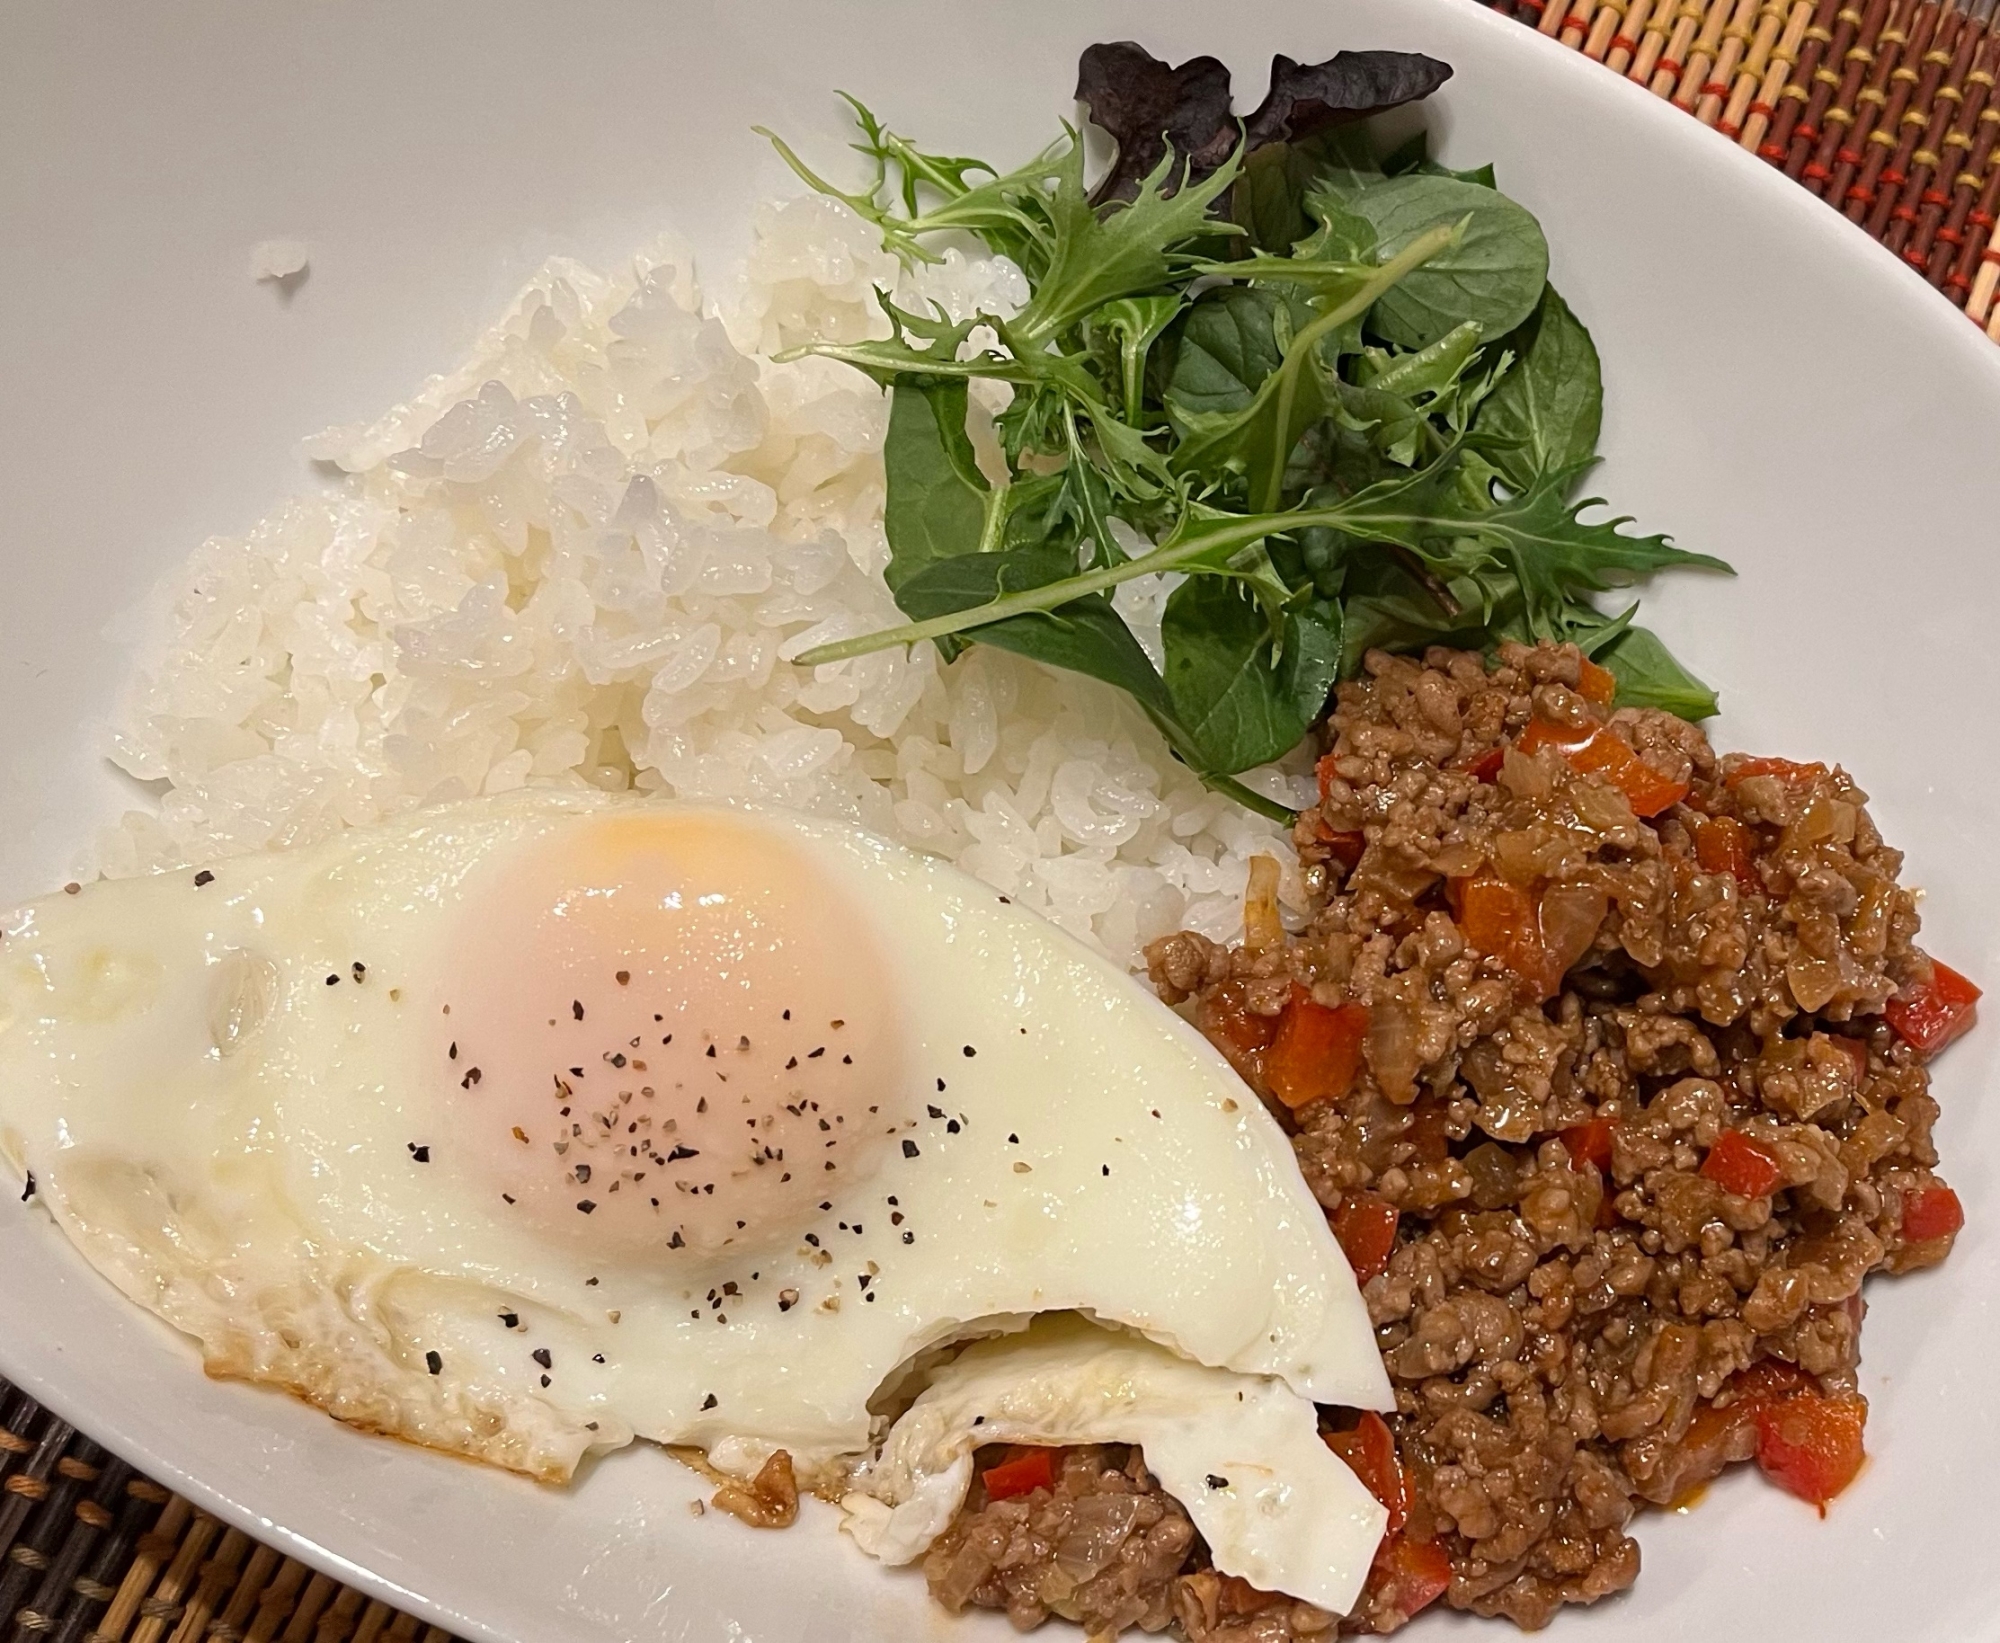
x=1885 y=109
x=95 y=1553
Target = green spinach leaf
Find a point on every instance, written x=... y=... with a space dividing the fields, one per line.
x=1545 y=413
x=1084 y=635
x=1339 y=235
x=1268 y=202
x=1229 y=341
x=1340 y=159
x=1241 y=705
x=937 y=497
x=1648 y=676
x=1388 y=608
x=1257 y=441
x=1343 y=403
x=1494 y=274
x=1414 y=155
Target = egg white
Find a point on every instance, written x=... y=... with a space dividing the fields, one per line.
x=1241 y=1452
x=231 y=1139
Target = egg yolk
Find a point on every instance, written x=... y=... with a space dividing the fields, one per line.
x=664 y=1031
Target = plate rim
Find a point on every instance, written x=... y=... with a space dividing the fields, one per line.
x=1707 y=157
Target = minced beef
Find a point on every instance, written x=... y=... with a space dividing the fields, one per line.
x=1106 y=1548
x=1101 y=1548
x=1627 y=1166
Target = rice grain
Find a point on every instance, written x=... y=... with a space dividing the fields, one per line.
x=587 y=557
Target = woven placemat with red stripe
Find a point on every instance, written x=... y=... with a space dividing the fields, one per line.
x=1886 y=110
x=91 y=1552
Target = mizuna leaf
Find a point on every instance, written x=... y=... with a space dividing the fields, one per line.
x=1098 y=259
x=1136 y=323
x=1558 y=555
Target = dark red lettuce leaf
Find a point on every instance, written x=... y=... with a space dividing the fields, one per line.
x=1146 y=105
x=1350 y=85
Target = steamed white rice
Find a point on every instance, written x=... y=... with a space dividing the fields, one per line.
x=586 y=556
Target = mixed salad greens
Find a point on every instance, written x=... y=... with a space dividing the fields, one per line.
x=1332 y=386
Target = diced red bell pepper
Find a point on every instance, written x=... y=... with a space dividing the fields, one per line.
x=1317 y=1051
x=1932 y=1016
x=1370 y=1452
x=1503 y=920
x=1365 y=1228
x=1325 y=772
x=1644 y=788
x=1486 y=767
x=1716 y=1431
x=1345 y=845
x=1410 y=1574
x=1807 y=1442
x=1022 y=1472
x=1931 y=1212
x=1601 y=751
x=1788 y=771
x=1590 y=1143
x=1722 y=844
x=1596 y=684
x=1740 y=1165
x=1540 y=733
x=1499 y=919
x=1811 y=1444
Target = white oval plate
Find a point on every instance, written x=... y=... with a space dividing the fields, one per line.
x=1782 y=392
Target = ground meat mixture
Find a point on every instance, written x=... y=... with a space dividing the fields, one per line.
x=770 y=1500
x=1104 y=1547
x=1583 y=1050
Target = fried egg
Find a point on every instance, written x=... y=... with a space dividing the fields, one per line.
x=1241 y=1452
x=527 y=1125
